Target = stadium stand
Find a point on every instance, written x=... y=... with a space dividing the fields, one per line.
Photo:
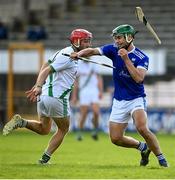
x=102 y=14
x=98 y=16
x=3 y=31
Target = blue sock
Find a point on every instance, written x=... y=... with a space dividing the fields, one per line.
x=142 y=146
x=161 y=158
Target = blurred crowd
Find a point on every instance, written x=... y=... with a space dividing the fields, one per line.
x=34 y=30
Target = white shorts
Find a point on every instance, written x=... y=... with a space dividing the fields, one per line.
x=88 y=97
x=53 y=107
x=122 y=110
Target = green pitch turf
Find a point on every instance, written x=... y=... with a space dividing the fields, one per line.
x=87 y=159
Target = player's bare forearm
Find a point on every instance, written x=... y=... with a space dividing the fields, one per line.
x=44 y=66
x=43 y=75
x=85 y=53
x=37 y=89
x=88 y=52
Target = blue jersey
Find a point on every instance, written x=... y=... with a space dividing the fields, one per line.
x=125 y=86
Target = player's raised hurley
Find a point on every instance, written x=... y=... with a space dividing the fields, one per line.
x=87 y=60
x=141 y=17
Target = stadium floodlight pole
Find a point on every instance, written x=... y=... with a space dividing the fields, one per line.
x=141 y=17
x=87 y=60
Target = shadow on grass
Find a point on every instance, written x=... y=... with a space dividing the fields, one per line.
x=92 y=167
x=84 y=166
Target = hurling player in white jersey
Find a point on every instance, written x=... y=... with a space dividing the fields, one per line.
x=51 y=91
x=129 y=95
x=89 y=87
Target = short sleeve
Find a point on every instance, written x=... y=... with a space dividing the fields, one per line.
x=52 y=58
x=60 y=63
x=144 y=63
x=107 y=50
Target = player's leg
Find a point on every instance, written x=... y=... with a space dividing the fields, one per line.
x=59 y=111
x=44 y=107
x=95 y=120
x=118 y=137
x=84 y=98
x=82 y=119
x=140 y=119
x=41 y=127
x=118 y=122
x=56 y=140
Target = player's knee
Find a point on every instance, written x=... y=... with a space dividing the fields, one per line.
x=64 y=130
x=142 y=130
x=45 y=130
x=117 y=140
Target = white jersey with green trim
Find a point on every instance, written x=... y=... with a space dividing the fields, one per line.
x=59 y=84
x=87 y=73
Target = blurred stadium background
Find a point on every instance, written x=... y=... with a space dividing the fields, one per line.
x=30 y=31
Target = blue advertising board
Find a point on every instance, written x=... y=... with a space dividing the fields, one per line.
x=159 y=120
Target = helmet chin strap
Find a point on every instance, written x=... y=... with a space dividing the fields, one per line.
x=78 y=44
x=76 y=47
x=128 y=41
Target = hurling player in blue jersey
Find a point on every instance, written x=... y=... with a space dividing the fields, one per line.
x=129 y=95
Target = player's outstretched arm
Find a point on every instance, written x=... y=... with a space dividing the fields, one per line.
x=37 y=89
x=85 y=53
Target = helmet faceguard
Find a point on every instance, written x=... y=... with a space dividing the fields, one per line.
x=124 y=30
x=77 y=35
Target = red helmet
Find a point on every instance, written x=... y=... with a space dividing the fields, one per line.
x=79 y=34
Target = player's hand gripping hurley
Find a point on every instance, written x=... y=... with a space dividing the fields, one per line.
x=87 y=60
x=141 y=17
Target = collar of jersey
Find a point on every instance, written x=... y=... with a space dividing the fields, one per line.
x=132 y=50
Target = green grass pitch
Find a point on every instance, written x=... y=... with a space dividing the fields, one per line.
x=88 y=159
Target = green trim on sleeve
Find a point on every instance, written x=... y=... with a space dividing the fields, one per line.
x=52 y=69
x=49 y=61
